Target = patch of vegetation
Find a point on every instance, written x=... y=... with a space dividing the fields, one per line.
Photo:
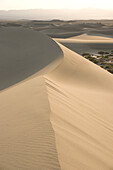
x=86 y=54
x=101 y=53
x=102 y=58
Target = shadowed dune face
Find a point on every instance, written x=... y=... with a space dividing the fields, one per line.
x=58 y=33
x=22 y=55
x=104 y=32
x=88 y=47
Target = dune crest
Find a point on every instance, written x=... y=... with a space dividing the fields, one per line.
x=86 y=38
x=87 y=43
x=60 y=116
x=90 y=37
x=24 y=53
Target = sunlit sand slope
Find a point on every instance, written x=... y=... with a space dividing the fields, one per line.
x=26 y=136
x=81 y=96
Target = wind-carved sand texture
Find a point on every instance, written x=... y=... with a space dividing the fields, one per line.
x=59 y=115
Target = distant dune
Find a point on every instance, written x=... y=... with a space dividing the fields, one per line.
x=87 y=43
x=55 y=106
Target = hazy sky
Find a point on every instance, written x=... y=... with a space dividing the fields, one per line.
x=55 y=4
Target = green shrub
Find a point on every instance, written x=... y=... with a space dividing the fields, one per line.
x=86 y=54
x=110 y=70
x=107 y=56
x=106 y=52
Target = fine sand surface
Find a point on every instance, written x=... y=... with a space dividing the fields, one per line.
x=58 y=115
x=81 y=95
x=27 y=140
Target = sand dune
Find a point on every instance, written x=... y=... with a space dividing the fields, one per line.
x=27 y=139
x=90 y=37
x=26 y=135
x=87 y=43
x=61 y=117
x=104 y=32
x=81 y=95
x=61 y=33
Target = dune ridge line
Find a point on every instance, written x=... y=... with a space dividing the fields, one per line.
x=60 y=116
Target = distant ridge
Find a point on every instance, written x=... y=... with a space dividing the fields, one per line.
x=63 y=14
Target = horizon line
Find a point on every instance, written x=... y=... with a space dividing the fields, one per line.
x=56 y=9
